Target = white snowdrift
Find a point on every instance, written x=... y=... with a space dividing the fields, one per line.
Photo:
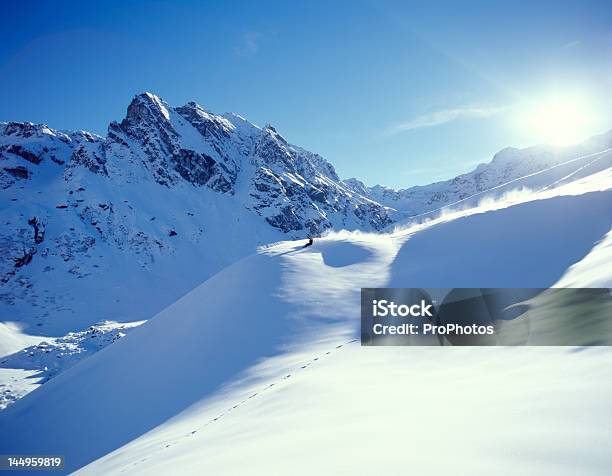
x=256 y=371
x=12 y=338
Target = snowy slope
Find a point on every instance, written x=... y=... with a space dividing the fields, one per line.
x=257 y=368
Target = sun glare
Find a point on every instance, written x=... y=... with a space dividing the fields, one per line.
x=560 y=120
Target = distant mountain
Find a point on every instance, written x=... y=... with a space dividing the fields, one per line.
x=507 y=171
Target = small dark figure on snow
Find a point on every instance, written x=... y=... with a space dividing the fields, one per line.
x=310 y=242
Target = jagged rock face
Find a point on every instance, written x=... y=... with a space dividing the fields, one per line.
x=215 y=129
x=298 y=191
x=25 y=147
x=88 y=152
x=149 y=131
x=293 y=189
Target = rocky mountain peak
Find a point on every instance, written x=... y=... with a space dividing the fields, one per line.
x=145 y=109
x=25 y=129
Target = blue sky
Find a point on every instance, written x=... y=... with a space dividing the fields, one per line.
x=398 y=93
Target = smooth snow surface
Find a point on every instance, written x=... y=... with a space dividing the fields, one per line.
x=258 y=371
x=427 y=411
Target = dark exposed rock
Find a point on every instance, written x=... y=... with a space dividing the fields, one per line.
x=286 y=220
x=39 y=230
x=316 y=194
x=25 y=259
x=262 y=187
x=19 y=172
x=24 y=154
x=193 y=167
x=90 y=160
x=22 y=129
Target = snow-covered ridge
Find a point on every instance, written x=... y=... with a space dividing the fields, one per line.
x=509 y=166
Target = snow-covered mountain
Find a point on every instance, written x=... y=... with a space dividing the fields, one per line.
x=259 y=375
x=170 y=196
x=509 y=170
x=135 y=219
x=98 y=232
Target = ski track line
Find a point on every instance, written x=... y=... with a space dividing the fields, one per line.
x=571 y=174
x=246 y=400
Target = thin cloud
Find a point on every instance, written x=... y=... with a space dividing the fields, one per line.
x=249 y=46
x=442 y=117
x=571 y=44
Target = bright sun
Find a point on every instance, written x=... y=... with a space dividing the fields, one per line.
x=559 y=120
